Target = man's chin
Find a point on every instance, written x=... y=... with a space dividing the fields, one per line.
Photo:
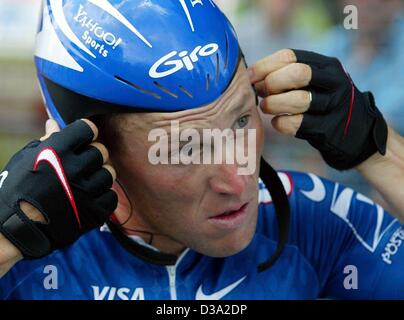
x=229 y=246
x=237 y=242
x=226 y=252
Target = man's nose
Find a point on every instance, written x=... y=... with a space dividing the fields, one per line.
x=226 y=180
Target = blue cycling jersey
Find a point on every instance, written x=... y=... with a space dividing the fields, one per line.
x=342 y=245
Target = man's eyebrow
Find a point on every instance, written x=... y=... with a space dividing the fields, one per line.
x=241 y=105
x=245 y=100
x=255 y=94
x=199 y=130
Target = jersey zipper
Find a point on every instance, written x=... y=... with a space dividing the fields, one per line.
x=172 y=276
x=172 y=271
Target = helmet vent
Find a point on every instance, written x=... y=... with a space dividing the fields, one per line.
x=189 y=94
x=207 y=82
x=226 y=60
x=217 y=67
x=164 y=89
x=155 y=95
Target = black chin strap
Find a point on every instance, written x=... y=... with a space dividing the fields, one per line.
x=282 y=209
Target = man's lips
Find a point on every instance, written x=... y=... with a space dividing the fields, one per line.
x=230 y=211
x=231 y=219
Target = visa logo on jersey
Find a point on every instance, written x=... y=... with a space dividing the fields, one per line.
x=186 y=60
x=113 y=293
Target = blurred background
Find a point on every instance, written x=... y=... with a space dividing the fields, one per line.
x=373 y=54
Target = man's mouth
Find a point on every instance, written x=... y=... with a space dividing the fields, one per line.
x=231 y=219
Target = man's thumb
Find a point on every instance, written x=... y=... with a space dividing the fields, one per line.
x=51 y=126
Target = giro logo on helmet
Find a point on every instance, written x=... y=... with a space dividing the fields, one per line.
x=195 y=2
x=94 y=32
x=185 y=60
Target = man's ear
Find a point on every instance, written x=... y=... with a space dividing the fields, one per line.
x=124 y=209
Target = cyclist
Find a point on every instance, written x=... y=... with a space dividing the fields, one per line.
x=179 y=231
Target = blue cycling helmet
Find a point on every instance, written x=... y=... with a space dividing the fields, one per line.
x=109 y=56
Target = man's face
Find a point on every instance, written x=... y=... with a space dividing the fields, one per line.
x=185 y=204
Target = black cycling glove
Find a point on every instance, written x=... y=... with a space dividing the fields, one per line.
x=343 y=123
x=64 y=179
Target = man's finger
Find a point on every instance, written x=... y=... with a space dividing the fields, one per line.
x=288 y=125
x=80 y=133
x=99 y=181
x=51 y=127
x=292 y=102
x=276 y=61
x=102 y=149
x=261 y=89
x=111 y=170
x=93 y=128
x=293 y=76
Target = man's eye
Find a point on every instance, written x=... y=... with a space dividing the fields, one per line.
x=242 y=122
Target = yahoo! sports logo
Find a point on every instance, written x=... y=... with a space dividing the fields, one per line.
x=187 y=60
x=96 y=37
